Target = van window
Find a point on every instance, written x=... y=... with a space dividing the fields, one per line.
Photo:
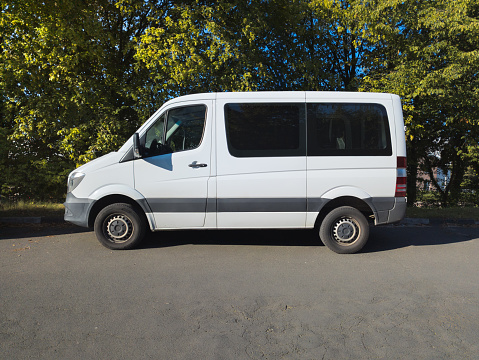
x=255 y=129
x=184 y=131
x=338 y=129
x=154 y=137
x=184 y=128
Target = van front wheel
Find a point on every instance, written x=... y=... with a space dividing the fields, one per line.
x=119 y=227
x=345 y=230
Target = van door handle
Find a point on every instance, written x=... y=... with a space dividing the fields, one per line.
x=195 y=164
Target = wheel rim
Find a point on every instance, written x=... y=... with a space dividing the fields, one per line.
x=119 y=228
x=346 y=231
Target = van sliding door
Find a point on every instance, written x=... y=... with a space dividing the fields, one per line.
x=261 y=163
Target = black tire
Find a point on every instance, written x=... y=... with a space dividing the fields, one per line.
x=120 y=226
x=345 y=230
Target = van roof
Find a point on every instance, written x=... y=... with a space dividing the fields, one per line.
x=293 y=95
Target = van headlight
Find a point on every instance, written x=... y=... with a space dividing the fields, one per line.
x=74 y=180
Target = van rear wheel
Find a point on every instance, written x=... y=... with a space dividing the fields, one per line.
x=120 y=227
x=345 y=230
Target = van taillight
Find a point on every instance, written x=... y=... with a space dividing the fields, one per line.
x=401 y=177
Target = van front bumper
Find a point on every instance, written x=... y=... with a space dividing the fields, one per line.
x=77 y=210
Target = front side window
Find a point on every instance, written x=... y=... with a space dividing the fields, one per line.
x=155 y=137
x=177 y=130
x=336 y=129
x=255 y=129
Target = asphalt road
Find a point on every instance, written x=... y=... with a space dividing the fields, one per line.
x=413 y=293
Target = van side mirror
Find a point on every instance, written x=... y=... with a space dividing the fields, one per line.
x=137 y=149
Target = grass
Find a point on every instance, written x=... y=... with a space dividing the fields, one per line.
x=444 y=213
x=22 y=208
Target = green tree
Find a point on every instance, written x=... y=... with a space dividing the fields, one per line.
x=78 y=77
x=470 y=184
x=199 y=47
x=70 y=88
x=427 y=52
x=255 y=45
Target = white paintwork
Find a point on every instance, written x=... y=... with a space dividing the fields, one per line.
x=228 y=177
x=262 y=220
x=117 y=189
x=398 y=132
x=106 y=176
x=210 y=219
x=169 y=176
x=363 y=177
x=258 y=177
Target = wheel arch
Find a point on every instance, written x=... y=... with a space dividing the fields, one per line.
x=352 y=201
x=101 y=203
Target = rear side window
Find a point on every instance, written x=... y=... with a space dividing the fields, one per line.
x=255 y=129
x=336 y=129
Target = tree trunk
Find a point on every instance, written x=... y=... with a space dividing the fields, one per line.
x=412 y=166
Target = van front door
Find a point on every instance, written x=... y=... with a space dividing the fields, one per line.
x=174 y=171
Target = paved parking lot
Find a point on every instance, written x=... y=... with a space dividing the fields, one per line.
x=411 y=294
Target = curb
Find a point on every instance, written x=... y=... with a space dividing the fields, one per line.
x=414 y=221
x=32 y=220
x=438 y=222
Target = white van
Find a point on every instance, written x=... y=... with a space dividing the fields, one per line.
x=333 y=161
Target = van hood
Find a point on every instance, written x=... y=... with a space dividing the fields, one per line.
x=101 y=162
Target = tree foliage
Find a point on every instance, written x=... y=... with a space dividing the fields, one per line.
x=427 y=52
x=78 y=77
x=69 y=86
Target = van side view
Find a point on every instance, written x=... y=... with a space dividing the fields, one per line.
x=333 y=161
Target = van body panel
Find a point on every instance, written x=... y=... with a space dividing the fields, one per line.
x=261 y=220
x=110 y=159
x=347 y=96
x=261 y=96
x=399 y=133
x=248 y=188
x=98 y=176
x=77 y=210
x=97 y=184
x=210 y=218
x=360 y=183
x=262 y=160
x=370 y=178
x=173 y=186
x=398 y=212
x=117 y=189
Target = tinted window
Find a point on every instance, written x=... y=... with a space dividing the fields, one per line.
x=265 y=129
x=336 y=129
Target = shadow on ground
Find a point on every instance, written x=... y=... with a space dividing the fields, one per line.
x=232 y=237
x=21 y=231
x=381 y=238
x=384 y=238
